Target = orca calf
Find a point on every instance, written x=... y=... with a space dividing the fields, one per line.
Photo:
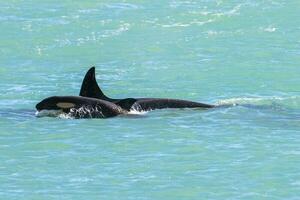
x=91 y=89
x=84 y=107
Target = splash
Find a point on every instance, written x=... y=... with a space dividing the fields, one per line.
x=74 y=113
x=137 y=110
x=87 y=112
x=53 y=113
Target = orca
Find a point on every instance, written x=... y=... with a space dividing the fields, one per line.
x=91 y=89
x=84 y=107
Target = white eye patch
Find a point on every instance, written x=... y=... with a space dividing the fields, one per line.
x=65 y=105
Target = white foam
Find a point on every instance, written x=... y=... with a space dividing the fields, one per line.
x=136 y=109
x=48 y=113
x=234 y=11
x=137 y=112
x=53 y=113
x=270 y=29
x=194 y=22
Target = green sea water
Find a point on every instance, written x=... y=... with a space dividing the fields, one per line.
x=212 y=51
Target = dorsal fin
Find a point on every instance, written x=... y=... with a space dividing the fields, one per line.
x=90 y=88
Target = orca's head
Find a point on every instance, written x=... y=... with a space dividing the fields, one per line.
x=54 y=103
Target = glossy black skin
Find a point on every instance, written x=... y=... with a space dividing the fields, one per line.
x=96 y=108
x=90 y=88
x=144 y=104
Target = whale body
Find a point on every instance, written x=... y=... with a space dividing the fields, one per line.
x=93 y=103
x=90 y=88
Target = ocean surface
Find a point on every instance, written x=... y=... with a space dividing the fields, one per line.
x=241 y=53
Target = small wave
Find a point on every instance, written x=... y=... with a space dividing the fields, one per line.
x=122 y=28
x=290 y=102
x=88 y=11
x=194 y=22
x=122 y=6
x=224 y=33
x=268 y=29
x=91 y=37
x=234 y=11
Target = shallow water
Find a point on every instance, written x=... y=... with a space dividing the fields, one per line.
x=238 y=52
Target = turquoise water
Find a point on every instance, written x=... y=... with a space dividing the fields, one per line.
x=220 y=52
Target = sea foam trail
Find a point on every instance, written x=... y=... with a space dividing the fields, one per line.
x=287 y=102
